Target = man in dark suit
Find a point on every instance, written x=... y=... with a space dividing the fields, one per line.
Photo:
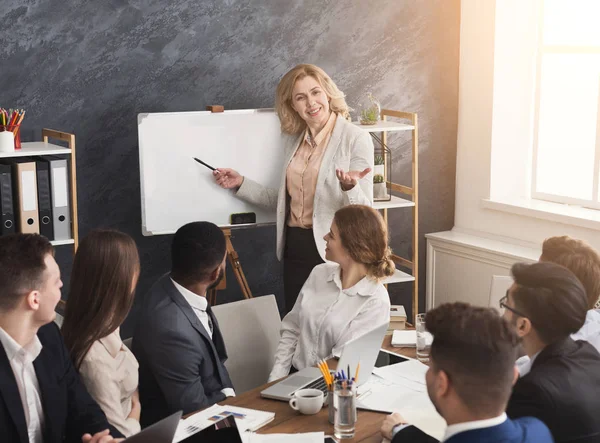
x=177 y=341
x=41 y=395
x=469 y=380
x=545 y=305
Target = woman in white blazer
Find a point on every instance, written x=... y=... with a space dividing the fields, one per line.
x=328 y=166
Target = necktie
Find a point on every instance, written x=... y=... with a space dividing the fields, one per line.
x=210 y=324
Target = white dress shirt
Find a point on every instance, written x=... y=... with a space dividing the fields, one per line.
x=590 y=332
x=458 y=428
x=199 y=305
x=325 y=317
x=21 y=361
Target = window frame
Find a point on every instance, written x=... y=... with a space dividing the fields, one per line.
x=594 y=202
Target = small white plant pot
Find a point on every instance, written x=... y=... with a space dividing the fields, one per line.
x=379 y=191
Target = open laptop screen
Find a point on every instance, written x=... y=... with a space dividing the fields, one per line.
x=224 y=430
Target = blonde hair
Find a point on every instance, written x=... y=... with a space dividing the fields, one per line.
x=291 y=122
x=364 y=235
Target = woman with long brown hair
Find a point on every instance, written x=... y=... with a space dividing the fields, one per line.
x=105 y=272
x=343 y=298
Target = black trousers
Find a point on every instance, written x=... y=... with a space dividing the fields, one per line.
x=300 y=256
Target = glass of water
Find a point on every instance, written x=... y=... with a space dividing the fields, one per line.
x=424 y=339
x=344 y=403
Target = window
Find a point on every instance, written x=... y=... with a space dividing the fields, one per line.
x=566 y=154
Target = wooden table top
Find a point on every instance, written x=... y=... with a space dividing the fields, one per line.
x=288 y=421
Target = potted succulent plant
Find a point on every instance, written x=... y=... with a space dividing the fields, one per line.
x=379 y=167
x=370 y=112
x=379 y=188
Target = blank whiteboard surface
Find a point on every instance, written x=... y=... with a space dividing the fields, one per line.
x=176 y=190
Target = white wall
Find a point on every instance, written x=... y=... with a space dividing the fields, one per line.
x=475 y=118
x=495 y=120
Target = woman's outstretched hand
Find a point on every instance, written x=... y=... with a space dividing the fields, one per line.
x=349 y=179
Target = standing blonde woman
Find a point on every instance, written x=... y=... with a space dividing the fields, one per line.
x=343 y=299
x=328 y=163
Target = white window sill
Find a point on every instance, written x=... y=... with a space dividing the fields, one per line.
x=555 y=212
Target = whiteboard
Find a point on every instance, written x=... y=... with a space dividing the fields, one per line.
x=176 y=190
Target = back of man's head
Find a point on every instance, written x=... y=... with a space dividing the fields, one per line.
x=197 y=250
x=579 y=258
x=22 y=267
x=477 y=349
x=551 y=297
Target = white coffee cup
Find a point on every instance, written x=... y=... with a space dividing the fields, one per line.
x=7 y=141
x=307 y=401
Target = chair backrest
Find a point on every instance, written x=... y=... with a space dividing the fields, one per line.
x=250 y=330
x=498 y=288
x=127 y=342
x=59 y=320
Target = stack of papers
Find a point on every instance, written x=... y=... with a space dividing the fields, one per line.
x=409 y=374
x=402 y=388
x=245 y=419
x=404 y=339
x=408 y=339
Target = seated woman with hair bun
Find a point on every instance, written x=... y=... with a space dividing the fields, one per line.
x=343 y=298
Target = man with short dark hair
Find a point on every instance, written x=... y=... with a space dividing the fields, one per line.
x=177 y=341
x=42 y=398
x=546 y=304
x=470 y=379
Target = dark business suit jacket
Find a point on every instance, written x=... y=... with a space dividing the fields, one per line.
x=522 y=430
x=69 y=411
x=181 y=368
x=563 y=390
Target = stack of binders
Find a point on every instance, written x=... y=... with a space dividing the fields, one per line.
x=35 y=196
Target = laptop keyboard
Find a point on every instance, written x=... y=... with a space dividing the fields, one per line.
x=319 y=384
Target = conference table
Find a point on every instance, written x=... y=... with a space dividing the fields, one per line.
x=288 y=421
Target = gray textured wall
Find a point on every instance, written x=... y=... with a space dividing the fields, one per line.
x=89 y=67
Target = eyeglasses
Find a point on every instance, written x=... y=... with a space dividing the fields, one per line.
x=503 y=305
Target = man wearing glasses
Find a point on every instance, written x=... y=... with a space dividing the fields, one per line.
x=545 y=305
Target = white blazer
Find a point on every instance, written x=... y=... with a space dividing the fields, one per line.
x=351 y=149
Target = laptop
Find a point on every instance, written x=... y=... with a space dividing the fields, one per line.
x=160 y=432
x=363 y=349
x=222 y=431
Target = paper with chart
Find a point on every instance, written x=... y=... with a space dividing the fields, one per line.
x=245 y=419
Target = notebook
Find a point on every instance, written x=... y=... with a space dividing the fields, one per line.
x=404 y=339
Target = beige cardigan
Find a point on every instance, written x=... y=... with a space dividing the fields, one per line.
x=110 y=373
x=351 y=149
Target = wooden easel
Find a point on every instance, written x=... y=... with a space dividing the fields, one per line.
x=232 y=255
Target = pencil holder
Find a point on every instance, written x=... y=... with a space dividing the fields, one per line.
x=344 y=403
x=14 y=131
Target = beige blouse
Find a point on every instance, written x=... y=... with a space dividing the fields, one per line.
x=302 y=174
x=110 y=373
